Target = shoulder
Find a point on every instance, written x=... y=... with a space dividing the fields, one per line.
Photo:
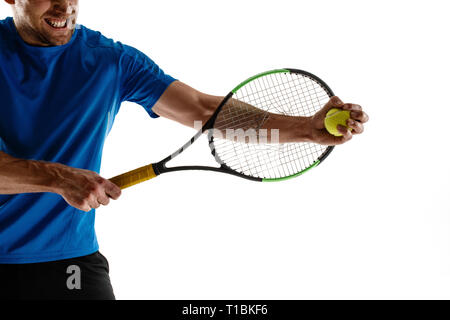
x=96 y=41
x=5 y=30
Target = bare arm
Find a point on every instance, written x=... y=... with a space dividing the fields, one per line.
x=83 y=189
x=186 y=105
x=24 y=176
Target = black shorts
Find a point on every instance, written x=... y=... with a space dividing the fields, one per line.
x=82 y=278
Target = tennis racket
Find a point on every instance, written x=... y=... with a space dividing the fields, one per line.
x=289 y=92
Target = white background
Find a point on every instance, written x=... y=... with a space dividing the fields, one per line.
x=372 y=222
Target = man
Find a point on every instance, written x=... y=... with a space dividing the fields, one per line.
x=61 y=86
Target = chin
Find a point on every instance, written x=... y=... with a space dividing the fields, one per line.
x=57 y=36
x=52 y=41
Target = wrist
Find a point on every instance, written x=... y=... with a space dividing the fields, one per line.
x=291 y=128
x=304 y=130
x=52 y=176
x=300 y=130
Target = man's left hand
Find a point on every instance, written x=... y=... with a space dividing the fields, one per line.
x=356 y=122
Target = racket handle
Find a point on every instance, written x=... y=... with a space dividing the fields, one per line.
x=133 y=177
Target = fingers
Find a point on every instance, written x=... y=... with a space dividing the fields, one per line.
x=356 y=126
x=357 y=117
x=100 y=193
x=85 y=189
x=351 y=107
x=356 y=112
x=346 y=134
x=85 y=207
x=335 y=102
x=103 y=200
x=355 y=123
x=112 y=190
x=318 y=118
x=94 y=202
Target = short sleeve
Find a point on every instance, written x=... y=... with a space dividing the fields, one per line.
x=142 y=81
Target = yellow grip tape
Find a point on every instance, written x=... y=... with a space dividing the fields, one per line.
x=134 y=177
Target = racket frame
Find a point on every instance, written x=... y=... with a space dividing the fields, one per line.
x=150 y=171
x=160 y=167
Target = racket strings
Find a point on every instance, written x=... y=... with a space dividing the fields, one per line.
x=234 y=115
x=289 y=94
x=275 y=163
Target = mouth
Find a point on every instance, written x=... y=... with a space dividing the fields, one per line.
x=57 y=24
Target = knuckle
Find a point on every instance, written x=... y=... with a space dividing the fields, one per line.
x=100 y=181
x=336 y=100
x=90 y=187
x=360 y=128
x=97 y=189
x=94 y=189
x=116 y=193
x=103 y=201
x=355 y=114
x=93 y=204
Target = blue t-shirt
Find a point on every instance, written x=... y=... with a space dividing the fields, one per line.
x=58 y=104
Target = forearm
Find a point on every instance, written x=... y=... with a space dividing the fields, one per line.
x=186 y=105
x=274 y=128
x=291 y=129
x=80 y=188
x=26 y=176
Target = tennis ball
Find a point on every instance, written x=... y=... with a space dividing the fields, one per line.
x=334 y=117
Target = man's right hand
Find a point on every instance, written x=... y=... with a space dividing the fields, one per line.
x=83 y=189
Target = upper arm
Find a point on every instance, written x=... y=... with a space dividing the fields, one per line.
x=185 y=105
x=141 y=80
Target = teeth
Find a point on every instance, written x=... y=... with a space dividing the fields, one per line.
x=57 y=24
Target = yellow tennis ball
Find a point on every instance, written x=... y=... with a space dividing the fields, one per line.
x=334 y=117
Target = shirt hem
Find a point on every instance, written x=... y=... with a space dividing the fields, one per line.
x=23 y=259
